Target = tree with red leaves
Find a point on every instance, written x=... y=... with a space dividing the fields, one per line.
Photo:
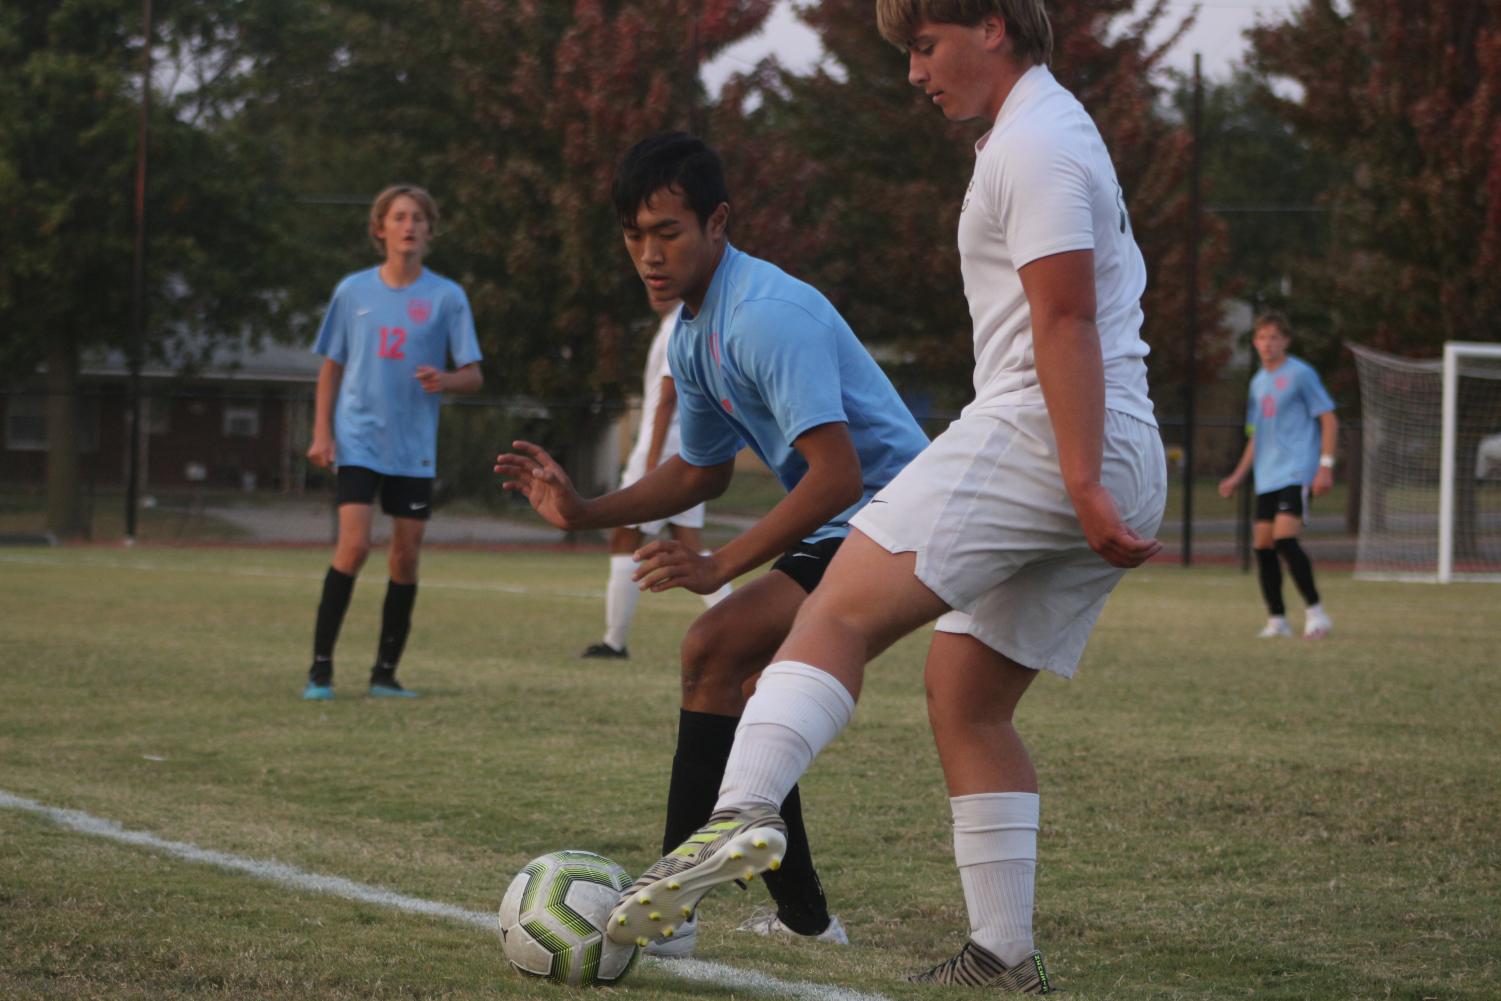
x=1405 y=97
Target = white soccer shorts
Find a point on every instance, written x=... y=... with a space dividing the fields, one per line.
x=996 y=537
x=691 y=518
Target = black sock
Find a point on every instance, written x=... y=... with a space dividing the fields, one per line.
x=795 y=887
x=704 y=742
x=337 y=587
x=395 y=623
x=1299 y=566
x=1270 y=572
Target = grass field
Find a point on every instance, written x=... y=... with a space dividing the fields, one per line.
x=1222 y=818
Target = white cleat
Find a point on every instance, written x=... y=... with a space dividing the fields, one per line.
x=765 y=922
x=1317 y=625
x=1275 y=627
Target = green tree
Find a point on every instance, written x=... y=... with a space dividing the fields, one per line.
x=67 y=170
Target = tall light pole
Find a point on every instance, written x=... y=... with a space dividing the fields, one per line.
x=138 y=285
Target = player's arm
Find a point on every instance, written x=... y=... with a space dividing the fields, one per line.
x=667 y=404
x=1071 y=370
x=673 y=486
x=466 y=379
x=832 y=483
x=322 y=451
x=1328 y=441
x=1237 y=475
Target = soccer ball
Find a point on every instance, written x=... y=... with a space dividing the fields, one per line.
x=553 y=915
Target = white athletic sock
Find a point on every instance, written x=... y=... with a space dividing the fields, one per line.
x=710 y=600
x=796 y=711
x=995 y=845
x=621 y=595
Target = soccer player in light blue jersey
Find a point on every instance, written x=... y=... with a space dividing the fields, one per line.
x=1291 y=432
x=387 y=340
x=759 y=360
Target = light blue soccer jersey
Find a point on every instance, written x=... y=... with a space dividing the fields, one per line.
x=1282 y=417
x=383 y=419
x=767 y=358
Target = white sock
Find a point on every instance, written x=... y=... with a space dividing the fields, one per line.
x=796 y=711
x=995 y=845
x=621 y=595
x=710 y=600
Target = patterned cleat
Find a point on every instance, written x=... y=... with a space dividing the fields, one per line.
x=734 y=844
x=604 y=651
x=976 y=966
x=680 y=946
x=314 y=692
x=765 y=922
x=1276 y=627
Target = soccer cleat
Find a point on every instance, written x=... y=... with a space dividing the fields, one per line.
x=734 y=844
x=1317 y=625
x=680 y=946
x=605 y=651
x=314 y=692
x=976 y=966
x=383 y=685
x=766 y=923
x=1275 y=627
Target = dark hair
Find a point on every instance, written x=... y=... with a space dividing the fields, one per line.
x=670 y=160
x=1276 y=320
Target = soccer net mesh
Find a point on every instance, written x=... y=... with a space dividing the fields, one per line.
x=1423 y=517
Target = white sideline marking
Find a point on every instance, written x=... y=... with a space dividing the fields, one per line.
x=44 y=561
x=720 y=974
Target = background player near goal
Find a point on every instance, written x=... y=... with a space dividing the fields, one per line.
x=657 y=439
x=1291 y=432
x=386 y=340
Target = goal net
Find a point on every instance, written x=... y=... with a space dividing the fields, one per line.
x=1430 y=483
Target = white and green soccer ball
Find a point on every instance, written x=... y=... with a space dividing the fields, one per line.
x=553 y=915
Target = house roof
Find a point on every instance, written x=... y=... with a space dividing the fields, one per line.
x=230 y=361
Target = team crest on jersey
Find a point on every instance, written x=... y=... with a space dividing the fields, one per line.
x=420 y=310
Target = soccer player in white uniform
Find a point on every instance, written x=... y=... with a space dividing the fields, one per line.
x=1291 y=433
x=762 y=360
x=656 y=440
x=1010 y=529
x=386 y=341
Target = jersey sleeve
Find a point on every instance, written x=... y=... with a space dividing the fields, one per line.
x=1253 y=410
x=1040 y=191
x=1315 y=396
x=333 y=334
x=704 y=437
x=463 y=343
x=792 y=358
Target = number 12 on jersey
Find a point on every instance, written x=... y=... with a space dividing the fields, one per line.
x=391 y=341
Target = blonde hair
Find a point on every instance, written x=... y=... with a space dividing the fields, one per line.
x=382 y=205
x=1027 y=23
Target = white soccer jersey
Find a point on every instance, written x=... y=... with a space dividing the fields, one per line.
x=651 y=394
x=1044 y=184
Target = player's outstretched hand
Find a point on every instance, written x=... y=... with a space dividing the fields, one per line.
x=667 y=563
x=432 y=379
x=537 y=477
x=1108 y=535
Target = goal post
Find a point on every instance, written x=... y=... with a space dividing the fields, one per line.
x=1431 y=465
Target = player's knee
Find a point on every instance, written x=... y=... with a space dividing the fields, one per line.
x=403 y=564
x=706 y=662
x=352 y=553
